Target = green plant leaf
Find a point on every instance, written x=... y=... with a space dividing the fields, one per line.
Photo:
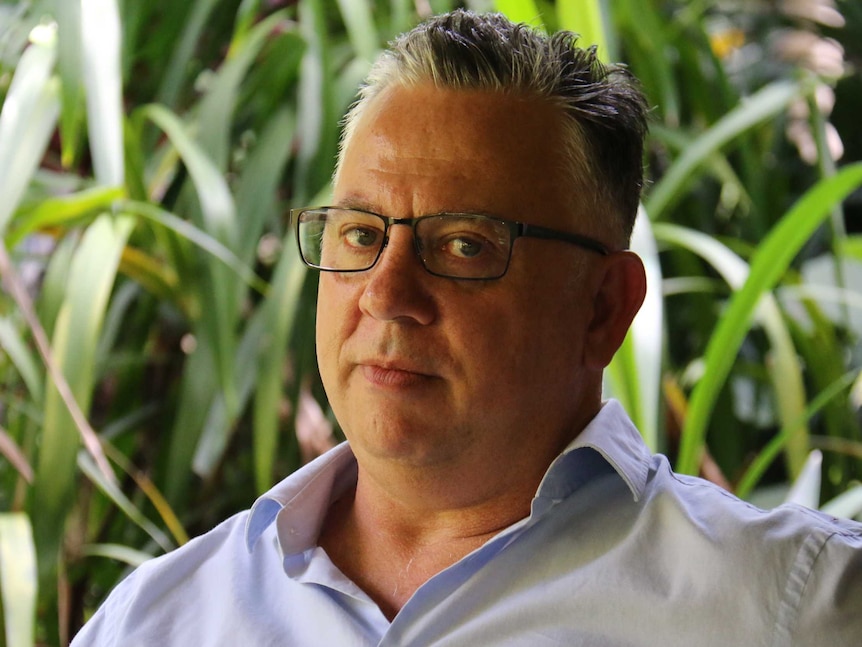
x=759 y=107
x=197 y=391
x=649 y=43
x=217 y=205
x=113 y=492
x=764 y=459
x=806 y=487
x=317 y=116
x=18 y=583
x=200 y=238
x=27 y=120
x=184 y=48
x=847 y=505
x=851 y=246
x=258 y=184
x=219 y=220
x=280 y=313
x=768 y=265
x=585 y=17
x=118 y=552
x=784 y=369
x=101 y=35
x=215 y=110
x=24 y=362
x=521 y=11
x=70 y=66
x=76 y=334
x=360 y=27
x=62 y=211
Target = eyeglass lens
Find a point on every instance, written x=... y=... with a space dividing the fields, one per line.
x=453 y=245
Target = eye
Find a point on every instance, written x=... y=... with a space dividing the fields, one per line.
x=463 y=246
x=359 y=235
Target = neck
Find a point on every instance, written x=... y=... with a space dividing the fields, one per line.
x=389 y=548
x=404 y=523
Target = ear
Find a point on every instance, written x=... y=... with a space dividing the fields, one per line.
x=620 y=292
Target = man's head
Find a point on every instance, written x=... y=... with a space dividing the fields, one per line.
x=604 y=111
x=478 y=381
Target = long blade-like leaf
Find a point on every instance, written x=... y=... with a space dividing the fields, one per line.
x=764 y=459
x=317 y=117
x=75 y=341
x=360 y=27
x=526 y=11
x=70 y=66
x=199 y=238
x=258 y=185
x=216 y=108
x=784 y=369
x=763 y=105
x=280 y=313
x=219 y=220
x=17 y=579
x=117 y=552
x=16 y=350
x=772 y=259
x=184 y=50
x=585 y=17
x=217 y=205
x=847 y=505
x=63 y=210
x=101 y=34
x=116 y=495
x=27 y=120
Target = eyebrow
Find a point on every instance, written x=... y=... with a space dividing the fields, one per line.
x=353 y=202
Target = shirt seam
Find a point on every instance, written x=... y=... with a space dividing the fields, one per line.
x=796 y=583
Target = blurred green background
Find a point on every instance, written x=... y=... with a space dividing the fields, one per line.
x=157 y=363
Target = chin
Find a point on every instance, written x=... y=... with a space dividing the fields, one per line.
x=407 y=446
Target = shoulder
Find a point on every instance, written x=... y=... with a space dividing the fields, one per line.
x=709 y=505
x=714 y=512
x=232 y=575
x=802 y=565
x=159 y=589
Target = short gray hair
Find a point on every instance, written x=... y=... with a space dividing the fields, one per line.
x=604 y=108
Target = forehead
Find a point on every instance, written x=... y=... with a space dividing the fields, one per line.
x=422 y=149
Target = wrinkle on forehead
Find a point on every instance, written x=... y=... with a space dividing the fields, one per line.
x=420 y=149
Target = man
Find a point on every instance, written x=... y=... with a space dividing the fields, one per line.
x=475 y=283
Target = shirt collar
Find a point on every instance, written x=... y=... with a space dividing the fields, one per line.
x=613 y=436
x=305 y=496
x=609 y=442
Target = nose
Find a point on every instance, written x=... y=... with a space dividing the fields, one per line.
x=397 y=286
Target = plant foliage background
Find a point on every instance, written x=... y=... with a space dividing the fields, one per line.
x=156 y=328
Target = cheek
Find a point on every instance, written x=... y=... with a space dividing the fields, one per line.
x=333 y=321
x=554 y=328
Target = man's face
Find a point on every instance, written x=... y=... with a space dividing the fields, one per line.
x=430 y=371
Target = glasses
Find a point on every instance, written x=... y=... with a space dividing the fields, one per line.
x=452 y=245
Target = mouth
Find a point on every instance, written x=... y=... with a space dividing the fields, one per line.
x=393 y=374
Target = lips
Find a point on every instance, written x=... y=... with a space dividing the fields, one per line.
x=393 y=374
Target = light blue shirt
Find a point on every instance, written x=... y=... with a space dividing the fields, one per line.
x=617 y=551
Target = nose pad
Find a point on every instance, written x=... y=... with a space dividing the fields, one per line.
x=419 y=247
x=417 y=243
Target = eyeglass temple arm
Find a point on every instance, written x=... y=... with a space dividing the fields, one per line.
x=536 y=231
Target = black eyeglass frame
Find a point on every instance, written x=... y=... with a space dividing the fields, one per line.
x=516 y=230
